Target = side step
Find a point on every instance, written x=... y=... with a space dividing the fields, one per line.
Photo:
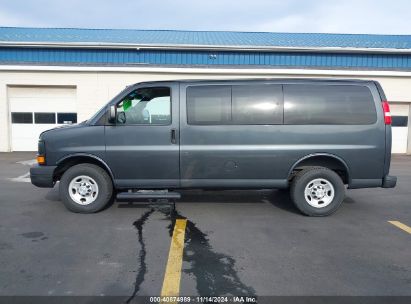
x=147 y=194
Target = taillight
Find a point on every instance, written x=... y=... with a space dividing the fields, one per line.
x=387 y=113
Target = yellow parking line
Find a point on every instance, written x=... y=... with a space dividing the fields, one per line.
x=171 y=283
x=401 y=226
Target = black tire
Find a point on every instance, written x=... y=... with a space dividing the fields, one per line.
x=102 y=179
x=304 y=178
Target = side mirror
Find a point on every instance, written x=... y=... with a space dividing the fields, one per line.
x=112 y=115
x=121 y=118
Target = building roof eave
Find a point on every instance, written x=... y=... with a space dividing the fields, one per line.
x=190 y=47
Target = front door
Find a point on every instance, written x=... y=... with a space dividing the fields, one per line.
x=142 y=146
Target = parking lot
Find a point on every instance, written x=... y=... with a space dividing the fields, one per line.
x=236 y=243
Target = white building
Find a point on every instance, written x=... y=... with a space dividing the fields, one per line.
x=54 y=76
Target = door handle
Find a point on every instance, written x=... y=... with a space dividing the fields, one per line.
x=173 y=136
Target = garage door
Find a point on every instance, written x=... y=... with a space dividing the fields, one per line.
x=36 y=109
x=399 y=127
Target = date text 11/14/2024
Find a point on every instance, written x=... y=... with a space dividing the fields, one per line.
x=204 y=299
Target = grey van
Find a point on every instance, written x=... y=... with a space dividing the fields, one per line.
x=314 y=137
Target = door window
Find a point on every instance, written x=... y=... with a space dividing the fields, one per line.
x=145 y=106
x=257 y=104
x=209 y=105
x=235 y=105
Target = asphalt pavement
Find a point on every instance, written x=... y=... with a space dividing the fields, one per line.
x=236 y=243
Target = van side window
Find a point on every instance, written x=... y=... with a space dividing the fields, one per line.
x=209 y=105
x=257 y=104
x=145 y=106
x=237 y=105
x=328 y=104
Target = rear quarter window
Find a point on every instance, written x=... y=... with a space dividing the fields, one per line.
x=328 y=104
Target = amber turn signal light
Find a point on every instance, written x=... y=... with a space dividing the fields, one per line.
x=41 y=160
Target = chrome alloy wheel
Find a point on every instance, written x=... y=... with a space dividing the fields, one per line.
x=83 y=190
x=319 y=193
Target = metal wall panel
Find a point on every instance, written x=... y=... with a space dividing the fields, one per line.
x=69 y=56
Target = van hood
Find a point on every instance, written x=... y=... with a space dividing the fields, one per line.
x=63 y=127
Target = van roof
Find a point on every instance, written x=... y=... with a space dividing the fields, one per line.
x=302 y=80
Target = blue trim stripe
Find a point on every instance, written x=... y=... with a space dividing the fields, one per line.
x=125 y=57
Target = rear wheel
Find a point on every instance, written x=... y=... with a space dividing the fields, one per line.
x=86 y=188
x=317 y=191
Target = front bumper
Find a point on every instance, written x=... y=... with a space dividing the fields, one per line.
x=389 y=181
x=42 y=176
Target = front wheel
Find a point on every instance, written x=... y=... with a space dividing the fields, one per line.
x=317 y=191
x=86 y=188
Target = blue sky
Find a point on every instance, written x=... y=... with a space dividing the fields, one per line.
x=324 y=16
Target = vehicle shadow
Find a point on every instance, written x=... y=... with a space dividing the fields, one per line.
x=349 y=200
x=281 y=199
x=226 y=196
x=207 y=197
x=53 y=194
x=277 y=198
